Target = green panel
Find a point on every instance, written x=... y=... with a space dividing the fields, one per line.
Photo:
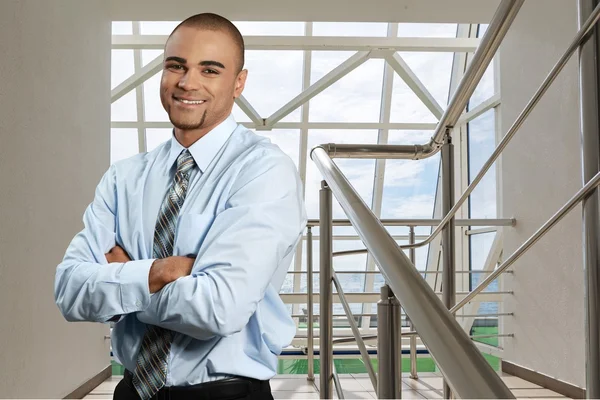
x=492 y=330
x=117 y=369
x=344 y=365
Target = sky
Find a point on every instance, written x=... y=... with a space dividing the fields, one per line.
x=275 y=77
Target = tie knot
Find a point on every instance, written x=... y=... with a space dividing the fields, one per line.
x=185 y=162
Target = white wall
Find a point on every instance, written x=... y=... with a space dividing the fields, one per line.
x=541 y=171
x=54 y=147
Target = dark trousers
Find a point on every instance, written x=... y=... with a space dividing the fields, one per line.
x=227 y=389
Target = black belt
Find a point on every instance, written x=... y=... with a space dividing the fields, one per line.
x=230 y=388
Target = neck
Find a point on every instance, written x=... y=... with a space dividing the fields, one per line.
x=187 y=137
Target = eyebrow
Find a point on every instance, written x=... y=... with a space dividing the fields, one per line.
x=208 y=63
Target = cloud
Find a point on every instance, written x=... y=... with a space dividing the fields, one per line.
x=417 y=206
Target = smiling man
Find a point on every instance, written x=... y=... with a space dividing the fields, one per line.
x=185 y=248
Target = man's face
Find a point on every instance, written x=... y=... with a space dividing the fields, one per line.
x=200 y=78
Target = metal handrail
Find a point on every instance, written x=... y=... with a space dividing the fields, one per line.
x=564 y=210
x=361 y=344
x=379 y=151
x=503 y=18
x=475 y=378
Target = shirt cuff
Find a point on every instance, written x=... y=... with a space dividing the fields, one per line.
x=135 y=292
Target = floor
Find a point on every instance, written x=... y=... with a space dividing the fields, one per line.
x=358 y=386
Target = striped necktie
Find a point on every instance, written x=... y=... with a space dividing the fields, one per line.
x=151 y=365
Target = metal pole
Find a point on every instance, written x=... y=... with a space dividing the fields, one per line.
x=309 y=289
x=356 y=332
x=448 y=281
x=326 y=293
x=338 y=385
x=413 y=338
x=590 y=128
x=475 y=378
x=389 y=379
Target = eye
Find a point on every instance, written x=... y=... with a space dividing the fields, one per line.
x=175 y=67
x=210 y=71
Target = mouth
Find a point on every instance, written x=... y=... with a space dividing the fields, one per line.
x=189 y=102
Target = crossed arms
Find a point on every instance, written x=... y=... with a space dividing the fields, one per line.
x=214 y=294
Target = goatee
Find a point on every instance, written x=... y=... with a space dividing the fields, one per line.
x=188 y=126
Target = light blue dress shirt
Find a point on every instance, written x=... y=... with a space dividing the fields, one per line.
x=243 y=217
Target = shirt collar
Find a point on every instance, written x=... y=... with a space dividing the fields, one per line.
x=205 y=149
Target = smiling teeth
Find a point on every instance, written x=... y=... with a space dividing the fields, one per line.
x=191 y=101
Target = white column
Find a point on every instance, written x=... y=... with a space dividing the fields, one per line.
x=54 y=147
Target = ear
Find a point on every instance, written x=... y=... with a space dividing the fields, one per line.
x=240 y=83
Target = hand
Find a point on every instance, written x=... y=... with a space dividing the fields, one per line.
x=117 y=255
x=167 y=270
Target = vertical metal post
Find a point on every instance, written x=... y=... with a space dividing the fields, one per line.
x=448 y=274
x=413 y=338
x=389 y=346
x=326 y=293
x=590 y=127
x=309 y=291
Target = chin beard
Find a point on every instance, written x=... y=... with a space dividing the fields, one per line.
x=188 y=126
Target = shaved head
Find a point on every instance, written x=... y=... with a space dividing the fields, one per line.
x=214 y=22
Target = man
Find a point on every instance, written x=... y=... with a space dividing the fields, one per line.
x=185 y=248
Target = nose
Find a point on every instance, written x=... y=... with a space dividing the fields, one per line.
x=190 y=80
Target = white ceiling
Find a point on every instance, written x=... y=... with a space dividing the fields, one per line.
x=459 y=11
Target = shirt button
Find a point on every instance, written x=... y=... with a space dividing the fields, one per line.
x=138 y=303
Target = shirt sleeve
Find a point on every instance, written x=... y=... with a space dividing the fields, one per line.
x=242 y=250
x=86 y=286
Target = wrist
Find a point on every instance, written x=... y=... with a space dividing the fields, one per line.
x=156 y=276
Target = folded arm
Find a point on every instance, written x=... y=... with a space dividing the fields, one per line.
x=242 y=250
x=89 y=288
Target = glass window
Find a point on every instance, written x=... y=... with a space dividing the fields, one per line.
x=482 y=142
x=287 y=140
x=433 y=70
x=157 y=27
x=480 y=246
x=124 y=109
x=156 y=137
x=356 y=97
x=359 y=172
x=153 y=108
x=122 y=28
x=121 y=66
x=274 y=78
x=486 y=87
x=362 y=29
x=270 y=28
x=426 y=30
x=123 y=144
x=149 y=55
x=410 y=186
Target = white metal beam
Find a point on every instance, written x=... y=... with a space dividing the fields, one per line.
x=382 y=138
x=488 y=104
x=322 y=84
x=318 y=43
x=413 y=82
x=137 y=79
x=247 y=108
x=302 y=161
x=139 y=94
